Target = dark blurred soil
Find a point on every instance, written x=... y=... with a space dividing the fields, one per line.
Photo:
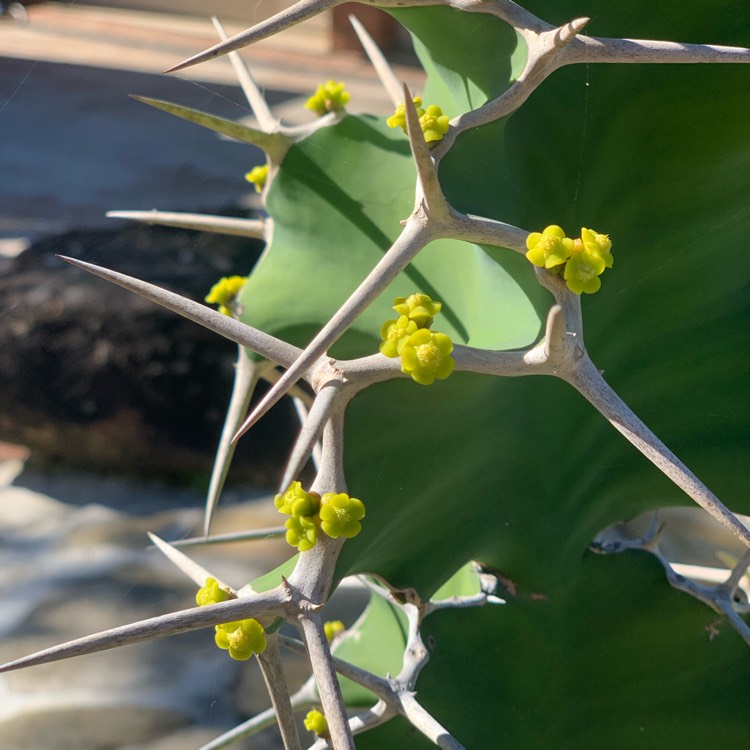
x=94 y=376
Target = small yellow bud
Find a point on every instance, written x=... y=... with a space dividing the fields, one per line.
x=425 y=356
x=258 y=177
x=333 y=628
x=224 y=292
x=433 y=122
x=329 y=97
x=316 y=722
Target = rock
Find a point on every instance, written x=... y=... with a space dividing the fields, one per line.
x=94 y=376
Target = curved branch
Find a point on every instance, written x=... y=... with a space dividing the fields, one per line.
x=545 y=49
x=483 y=231
x=327 y=682
x=587 y=380
x=587 y=49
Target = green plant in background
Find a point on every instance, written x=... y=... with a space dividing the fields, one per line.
x=519 y=474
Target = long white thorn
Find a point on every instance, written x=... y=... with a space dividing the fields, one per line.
x=428 y=189
x=237 y=536
x=420 y=718
x=287 y=18
x=278 y=690
x=275 y=145
x=588 y=381
x=384 y=71
x=300 y=407
x=270 y=347
x=306 y=697
x=253 y=94
x=269 y=604
x=272 y=376
x=253 y=726
x=194 y=571
x=246 y=376
x=311 y=431
x=255 y=228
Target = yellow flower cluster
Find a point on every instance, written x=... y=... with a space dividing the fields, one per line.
x=304 y=522
x=331 y=96
x=211 y=593
x=581 y=261
x=433 y=122
x=242 y=638
x=336 y=514
x=316 y=722
x=333 y=628
x=224 y=292
x=258 y=177
x=425 y=354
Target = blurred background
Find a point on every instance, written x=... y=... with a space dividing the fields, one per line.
x=110 y=408
x=89 y=376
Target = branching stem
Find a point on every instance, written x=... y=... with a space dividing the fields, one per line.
x=588 y=381
x=412 y=239
x=275 y=679
x=427 y=724
x=314 y=636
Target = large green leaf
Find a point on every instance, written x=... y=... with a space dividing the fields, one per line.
x=539 y=470
x=615 y=659
x=457 y=81
x=336 y=205
x=521 y=474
